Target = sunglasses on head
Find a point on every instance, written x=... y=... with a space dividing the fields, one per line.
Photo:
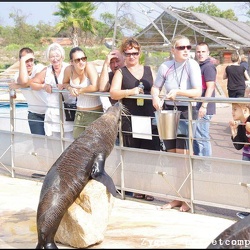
x=131 y=54
x=84 y=59
x=183 y=47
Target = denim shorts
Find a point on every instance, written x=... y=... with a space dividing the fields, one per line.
x=36 y=123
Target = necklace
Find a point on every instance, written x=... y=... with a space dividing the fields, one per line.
x=176 y=75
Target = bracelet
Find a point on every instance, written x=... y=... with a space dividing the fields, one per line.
x=126 y=93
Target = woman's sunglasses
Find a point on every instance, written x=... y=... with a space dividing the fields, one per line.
x=183 y=47
x=131 y=54
x=84 y=59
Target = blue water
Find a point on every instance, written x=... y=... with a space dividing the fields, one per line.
x=18 y=105
x=5 y=107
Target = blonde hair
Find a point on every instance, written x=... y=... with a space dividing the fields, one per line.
x=235 y=57
x=243 y=58
x=242 y=105
x=53 y=47
x=177 y=38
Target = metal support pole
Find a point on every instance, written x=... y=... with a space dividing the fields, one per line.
x=115 y=26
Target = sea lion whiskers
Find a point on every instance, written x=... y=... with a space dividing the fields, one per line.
x=125 y=112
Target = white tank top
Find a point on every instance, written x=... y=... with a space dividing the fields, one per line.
x=86 y=101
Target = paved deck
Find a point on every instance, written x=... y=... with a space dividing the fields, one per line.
x=132 y=224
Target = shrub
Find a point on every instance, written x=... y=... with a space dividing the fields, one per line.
x=12 y=47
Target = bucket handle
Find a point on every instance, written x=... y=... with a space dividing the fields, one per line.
x=162 y=101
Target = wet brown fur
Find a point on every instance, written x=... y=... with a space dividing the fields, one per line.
x=71 y=172
x=237 y=236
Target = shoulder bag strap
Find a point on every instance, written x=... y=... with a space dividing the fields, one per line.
x=56 y=79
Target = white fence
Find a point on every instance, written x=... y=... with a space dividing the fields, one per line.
x=214 y=181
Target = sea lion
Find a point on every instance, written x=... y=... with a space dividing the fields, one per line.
x=84 y=159
x=236 y=236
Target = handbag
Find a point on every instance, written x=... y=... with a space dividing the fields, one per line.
x=70 y=111
x=69 y=108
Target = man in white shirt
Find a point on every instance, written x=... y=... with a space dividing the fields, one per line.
x=36 y=100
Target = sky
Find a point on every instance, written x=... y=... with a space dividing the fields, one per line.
x=43 y=11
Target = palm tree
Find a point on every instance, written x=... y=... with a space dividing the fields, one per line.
x=77 y=16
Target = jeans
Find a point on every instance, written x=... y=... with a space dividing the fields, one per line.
x=36 y=123
x=202 y=145
x=245 y=158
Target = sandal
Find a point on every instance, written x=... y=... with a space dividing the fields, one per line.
x=35 y=175
x=149 y=198
x=138 y=196
x=172 y=204
x=184 y=207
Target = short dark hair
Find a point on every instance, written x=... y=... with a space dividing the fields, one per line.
x=202 y=44
x=26 y=49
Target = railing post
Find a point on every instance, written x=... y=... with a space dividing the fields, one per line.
x=61 y=110
x=121 y=156
x=12 y=130
x=191 y=125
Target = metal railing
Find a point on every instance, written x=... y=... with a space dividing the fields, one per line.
x=213 y=181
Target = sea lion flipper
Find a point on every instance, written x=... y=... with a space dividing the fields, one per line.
x=98 y=173
x=106 y=180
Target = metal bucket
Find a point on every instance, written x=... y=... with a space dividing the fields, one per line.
x=167 y=123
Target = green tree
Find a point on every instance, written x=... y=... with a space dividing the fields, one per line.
x=212 y=10
x=102 y=31
x=246 y=7
x=106 y=28
x=76 y=16
x=22 y=32
x=125 y=22
x=46 y=30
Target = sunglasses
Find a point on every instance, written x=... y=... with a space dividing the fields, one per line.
x=183 y=47
x=131 y=54
x=84 y=59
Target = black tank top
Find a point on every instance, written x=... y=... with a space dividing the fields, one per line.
x=129 y=82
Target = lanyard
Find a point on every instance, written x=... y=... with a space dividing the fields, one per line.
x=179 y=81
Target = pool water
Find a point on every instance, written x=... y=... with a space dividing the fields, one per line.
x=21 y=112
x=18 y=104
